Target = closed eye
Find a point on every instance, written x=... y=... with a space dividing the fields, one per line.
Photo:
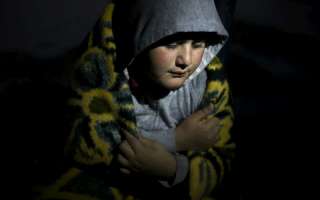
x=198 y=44
x=171 y=45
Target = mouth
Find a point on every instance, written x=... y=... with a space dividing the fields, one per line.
x=179 y=74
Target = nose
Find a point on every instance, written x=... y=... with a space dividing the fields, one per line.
x=184 y=57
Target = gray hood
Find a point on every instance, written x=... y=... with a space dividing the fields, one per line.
x=139 y=23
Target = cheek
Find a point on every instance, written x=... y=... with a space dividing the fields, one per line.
x=160 y=59
x=197 y=57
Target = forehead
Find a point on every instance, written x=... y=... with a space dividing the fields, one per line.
x=211 y=38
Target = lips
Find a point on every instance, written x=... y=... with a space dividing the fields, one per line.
x=178 y=74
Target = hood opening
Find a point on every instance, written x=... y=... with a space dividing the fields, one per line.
x=210 y=38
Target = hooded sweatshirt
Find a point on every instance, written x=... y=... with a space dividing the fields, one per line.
x=147 y=22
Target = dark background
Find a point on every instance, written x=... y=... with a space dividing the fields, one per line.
x=271 y=60
x=272 y=63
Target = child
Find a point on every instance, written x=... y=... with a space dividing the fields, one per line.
x=171 y=124
x=165 y=47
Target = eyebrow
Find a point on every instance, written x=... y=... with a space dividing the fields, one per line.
x=208 y=38
x=185 y=41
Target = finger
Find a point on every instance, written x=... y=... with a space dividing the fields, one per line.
x=126 y=150
x=215 y=136
x=125 y=171
x=204 y=112
x=132 y=140
x=218 y=128
x=123 y=161
x=211 y=122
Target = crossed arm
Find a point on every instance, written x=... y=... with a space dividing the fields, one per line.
x=145 y=156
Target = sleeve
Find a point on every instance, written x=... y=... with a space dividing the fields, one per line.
x=207 y=168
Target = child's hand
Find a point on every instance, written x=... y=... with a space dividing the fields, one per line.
x=145 y=156
x=198 y=131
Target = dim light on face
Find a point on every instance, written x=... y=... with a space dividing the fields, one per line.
x=171 y=64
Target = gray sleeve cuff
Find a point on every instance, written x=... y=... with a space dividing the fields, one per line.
x=181 y=171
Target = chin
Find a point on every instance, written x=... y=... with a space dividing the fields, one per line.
x=173 y=85
x=172 y=88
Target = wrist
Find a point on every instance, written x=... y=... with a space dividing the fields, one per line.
x=171 y=168
x=182 y=168
x=166 y=169
x=179 y=143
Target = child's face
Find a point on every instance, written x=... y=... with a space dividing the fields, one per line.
x=171 y=64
